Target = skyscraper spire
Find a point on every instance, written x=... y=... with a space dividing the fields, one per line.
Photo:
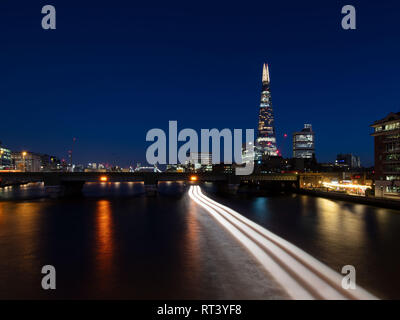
x=265 y=75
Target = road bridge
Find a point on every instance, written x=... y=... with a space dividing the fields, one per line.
x=69 y=183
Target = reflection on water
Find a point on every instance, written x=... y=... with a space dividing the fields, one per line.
x=116 y=247
x=32 y=191
x=128 y=246
x=336 y=232
x=20 y=227
x=104 y=245
x=26 y=191
x=192 y=248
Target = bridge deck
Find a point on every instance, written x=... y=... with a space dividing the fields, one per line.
x=140 y=176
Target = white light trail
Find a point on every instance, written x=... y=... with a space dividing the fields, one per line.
x=301 y=275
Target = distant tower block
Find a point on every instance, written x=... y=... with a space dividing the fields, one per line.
x=304 y=143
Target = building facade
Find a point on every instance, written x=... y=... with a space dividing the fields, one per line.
x=26 y=161
x=266 y=137
x=348 y=160
x=200 y=161
x=50 y=163
x=248 y=152
x=304 y=143
x=5 y=158
x=387 y=156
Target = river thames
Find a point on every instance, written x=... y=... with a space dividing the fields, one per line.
x=115 y=243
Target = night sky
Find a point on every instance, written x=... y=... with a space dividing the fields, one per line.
x=113 y=70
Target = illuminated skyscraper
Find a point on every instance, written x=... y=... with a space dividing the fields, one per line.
x=304 y=143
x=266 y=138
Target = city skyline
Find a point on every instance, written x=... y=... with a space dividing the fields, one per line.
x=265 y=132
x=198 y=159
x=109 y=90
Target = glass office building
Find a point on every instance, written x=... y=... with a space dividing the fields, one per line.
x=304 y=143
x=5 y=158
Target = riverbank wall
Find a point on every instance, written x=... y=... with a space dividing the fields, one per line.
x=373 y=201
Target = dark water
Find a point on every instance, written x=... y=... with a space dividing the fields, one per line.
x=337 y=233
x=116 y=243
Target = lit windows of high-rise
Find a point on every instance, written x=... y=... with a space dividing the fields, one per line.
x=5 y=158
x=304 y=143
x=266 y=137
x=387 y=156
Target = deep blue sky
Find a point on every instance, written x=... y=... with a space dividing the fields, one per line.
x=115 y=69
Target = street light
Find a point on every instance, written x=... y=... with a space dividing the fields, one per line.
x=24 y=153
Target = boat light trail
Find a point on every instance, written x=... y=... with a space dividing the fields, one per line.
x=301 y=275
